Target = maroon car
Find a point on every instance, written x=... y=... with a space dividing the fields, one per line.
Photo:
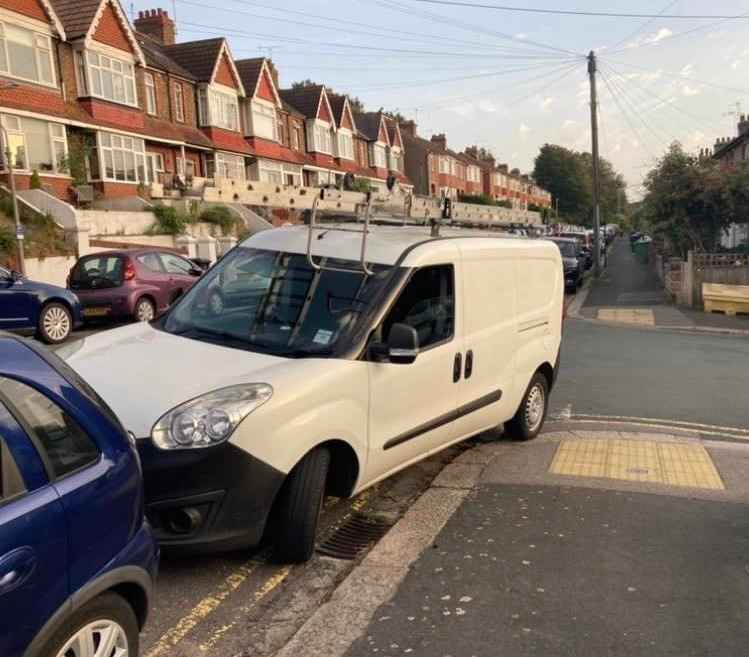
x=138 y=283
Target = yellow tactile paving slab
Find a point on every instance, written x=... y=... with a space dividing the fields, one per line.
x=672 y=464
x=642 y=316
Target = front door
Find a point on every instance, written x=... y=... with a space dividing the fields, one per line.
x=412 y=407
x=33 y=540
x=15 y=302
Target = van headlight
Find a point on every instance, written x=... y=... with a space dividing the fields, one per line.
x=209 y=419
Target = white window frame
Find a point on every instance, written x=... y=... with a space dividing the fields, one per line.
x=179 y=103
x=224 y=164
x=379 y=156
x=150 y=85
x=444 y=167
x=99 y=65
x=345 y=144
x=395 y=156
x=42 y=47
x=320 y=137
x=261 y=114
x=219 y=107
x=14 y=126
x=121 y=150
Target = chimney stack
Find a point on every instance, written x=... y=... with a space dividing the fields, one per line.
x=472 y=151
x=504 y=168
x=273 y=72
x=440 y=141
x=156 y=24
x=408 y=128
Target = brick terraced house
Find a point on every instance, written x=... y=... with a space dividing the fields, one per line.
x=86 y=97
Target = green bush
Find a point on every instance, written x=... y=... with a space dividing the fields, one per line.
x=169 y=221
x=7 y=240
x=506 y=203
x=219 y=215
x=35 y=182
x=477 y=199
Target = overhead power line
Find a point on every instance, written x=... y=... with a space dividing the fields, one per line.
x=573 y=12
x=650 y=21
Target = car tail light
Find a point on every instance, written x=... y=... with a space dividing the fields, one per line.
x=129 y=274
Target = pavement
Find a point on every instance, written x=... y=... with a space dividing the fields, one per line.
x=630 y=292
x=643 y=551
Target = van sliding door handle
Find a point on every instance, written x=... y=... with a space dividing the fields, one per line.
x=457 y=367
x=469 y=364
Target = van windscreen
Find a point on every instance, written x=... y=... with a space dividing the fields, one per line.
x=97 y=272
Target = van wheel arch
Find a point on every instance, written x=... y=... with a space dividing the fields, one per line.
x=548 y=371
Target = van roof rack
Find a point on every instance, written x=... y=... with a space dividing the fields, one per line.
x=398 y=213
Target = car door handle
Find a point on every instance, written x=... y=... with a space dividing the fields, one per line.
x=15 y=568
x=457 y=367
x=469 y=364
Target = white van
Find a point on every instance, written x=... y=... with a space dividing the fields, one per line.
x=307 y=363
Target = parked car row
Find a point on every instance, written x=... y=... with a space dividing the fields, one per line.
x=139 y=284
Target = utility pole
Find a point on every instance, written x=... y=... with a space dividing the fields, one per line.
x=592 y=69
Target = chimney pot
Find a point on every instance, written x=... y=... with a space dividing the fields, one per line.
x=156 y=24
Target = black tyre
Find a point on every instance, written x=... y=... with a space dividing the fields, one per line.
x=107 y=618
x=530 y=416
x=55 y=323
x=145 y=310
x=299 y=507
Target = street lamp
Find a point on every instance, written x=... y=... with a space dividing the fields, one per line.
x=12 y=183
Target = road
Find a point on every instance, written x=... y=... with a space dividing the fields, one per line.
x=245 y=604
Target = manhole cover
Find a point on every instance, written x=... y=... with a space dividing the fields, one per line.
x=353 y=536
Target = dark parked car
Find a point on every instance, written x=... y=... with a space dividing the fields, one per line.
x=77 y=558
x=49 y=311
x=573 y=259
x=138 y=283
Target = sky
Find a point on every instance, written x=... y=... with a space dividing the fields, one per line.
x=505 y=80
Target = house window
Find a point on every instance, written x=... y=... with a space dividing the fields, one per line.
x=150 y=93
x=396 y=160
x=322 y=140
x=283 y=133
x=296 y=138
x=155 y=164
x=218 y=109
x=444 y=165
x=123 y=158
x=226 y=165
x=26 y=55
x=263 y=120
x=179 y=103
x=186 y=168
x=271 y=172
x=380 y=156
x=110 y=79
x=36 y=145
x=345 y=146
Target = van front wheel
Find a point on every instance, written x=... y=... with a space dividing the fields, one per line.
x=300 y=505
x=531 y=414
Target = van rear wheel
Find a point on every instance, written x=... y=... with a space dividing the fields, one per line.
x=299 y=507
x=530 y=416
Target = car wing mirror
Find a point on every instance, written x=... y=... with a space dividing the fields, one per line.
x=402 y=344
x=16 y=276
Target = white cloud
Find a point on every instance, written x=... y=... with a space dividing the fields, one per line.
x=568 y=124
x=687 y=70
x=521 y=35
x=697 y=137
x=487 y=106
x=647 y=39
x=545 y=103
x=523 y=130
x=686 y=90
x=462 y=109
x=736 y=63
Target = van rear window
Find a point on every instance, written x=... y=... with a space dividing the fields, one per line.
x=97 y=272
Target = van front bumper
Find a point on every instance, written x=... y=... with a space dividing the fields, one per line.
x=200 y=500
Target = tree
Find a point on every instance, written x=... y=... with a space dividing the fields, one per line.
x=690 y=200
x=568 y=175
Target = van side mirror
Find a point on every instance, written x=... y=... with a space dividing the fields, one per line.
x=403 y=344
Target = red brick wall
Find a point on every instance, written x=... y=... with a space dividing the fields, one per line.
x=113 y=113
x=60 y=185
x=30 y=8
x=110 y=31
x=34 y=98
x=116 y=190
x=224 y=75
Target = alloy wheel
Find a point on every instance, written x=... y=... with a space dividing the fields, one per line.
x=535 y=407
x=103 y=638
x=144 y=312
x=56 y=323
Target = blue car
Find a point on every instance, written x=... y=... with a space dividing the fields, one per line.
x=48 y=311
x=77 y=558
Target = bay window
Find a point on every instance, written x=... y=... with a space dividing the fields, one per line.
x=150 y=93
x=36 y=145
x=107 y=77
x=123 y=158
x=321 y=138
x=380 y=156
x=26 y=54
x=218 y=109
x=279 y=174
x=262 y=121
x=226 y=165
x=396 y=160
x=345 y=145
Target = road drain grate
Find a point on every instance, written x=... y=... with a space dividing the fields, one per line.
x=353 y=536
